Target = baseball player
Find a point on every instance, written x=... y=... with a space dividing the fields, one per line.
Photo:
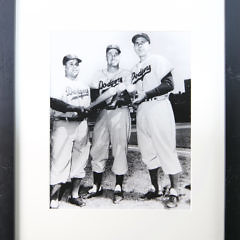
x=155 y=120
x=70 y=142
x=112 y=125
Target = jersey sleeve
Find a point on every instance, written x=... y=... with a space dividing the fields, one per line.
x=162 y=66
x=94 y=82
x=56 y=90
x=164 y=87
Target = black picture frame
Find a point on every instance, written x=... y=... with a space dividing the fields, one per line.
x=232 y=196
x=7 y=32
x=232 y=63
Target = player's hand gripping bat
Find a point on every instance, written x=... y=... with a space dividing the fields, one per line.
x=103 y=97
x=110 y=93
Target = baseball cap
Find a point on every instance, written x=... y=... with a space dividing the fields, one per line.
x=70 y=57
x=112 y=46
x=144 y=35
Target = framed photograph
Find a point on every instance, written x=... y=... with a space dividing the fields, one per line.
x=119 y=120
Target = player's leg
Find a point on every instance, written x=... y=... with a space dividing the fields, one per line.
x=120 y=125
x=165 y=145
x=173 y=193
x=149 y=155
x=54 y=195
x=99 y=152
x=62 y=141
x=96 y=190
x=60 y=158
x=118 y=190
x=75 y=198
x=80 y=155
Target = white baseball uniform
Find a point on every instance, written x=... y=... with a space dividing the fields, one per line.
x=70 y=138
x=112 y=126
x=155 y=120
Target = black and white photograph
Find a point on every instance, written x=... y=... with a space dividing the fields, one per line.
x=120 y=120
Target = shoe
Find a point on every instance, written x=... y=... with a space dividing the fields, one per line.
x=173 y=199
x=150 y=195
x=54 y=204
x=77 y=201
x=118 y=194
x=94 y=191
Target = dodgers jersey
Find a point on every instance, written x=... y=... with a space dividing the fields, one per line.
x=74 y=92
x=147 y=75
x=104 y=80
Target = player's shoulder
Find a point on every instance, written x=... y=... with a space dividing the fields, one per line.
x=83 y=84
x=99 y=73
x=96 y=77
x=135 y=67
x=158 y=58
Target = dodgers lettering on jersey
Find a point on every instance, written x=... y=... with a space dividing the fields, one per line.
x=140 y=75
x=74 y=92
x=103 y=80
x=112 y=83
x=148 y=74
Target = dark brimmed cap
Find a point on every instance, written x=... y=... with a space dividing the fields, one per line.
x=70 y=57
x=112 y=46
x=144 y=35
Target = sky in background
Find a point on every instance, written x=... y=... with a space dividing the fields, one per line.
x=91 y=47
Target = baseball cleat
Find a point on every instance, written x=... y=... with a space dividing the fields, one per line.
x=94 y=191
x=173 y=199
x=54 y=204
x=77 y=201
x=151 y=195
x=118 y=194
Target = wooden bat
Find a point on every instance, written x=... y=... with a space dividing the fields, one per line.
x=110 y=93
x=103 y=97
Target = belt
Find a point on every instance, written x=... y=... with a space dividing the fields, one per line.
x=117 y=107
x=111 y=107
x=114 y=107
x=158 y=98
x=69 y=119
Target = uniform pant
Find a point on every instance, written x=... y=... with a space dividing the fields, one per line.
x=157 y=136
x=111 y=126
x=70 y=150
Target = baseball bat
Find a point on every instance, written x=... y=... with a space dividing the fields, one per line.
x=103 y=97
x=110 y=93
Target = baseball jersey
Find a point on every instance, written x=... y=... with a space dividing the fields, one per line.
x=74 y=92
x=104 y=80
x=147 y=74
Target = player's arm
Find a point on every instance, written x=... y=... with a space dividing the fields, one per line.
x=165 y=86
x=61 y=106
x=125 y=91
x=124 y=99
x=94 y=94
x=96 y=104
